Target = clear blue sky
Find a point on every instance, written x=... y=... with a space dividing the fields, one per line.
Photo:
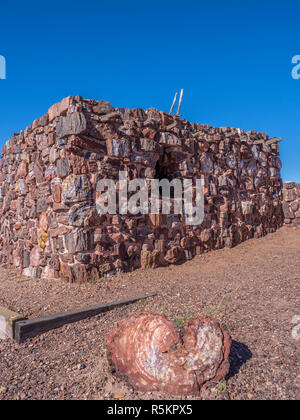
x=233 y=58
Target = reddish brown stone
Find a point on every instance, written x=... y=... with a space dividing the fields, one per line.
x=291 y=203
x=59 y=108
x=44 y=222
x=35 y=257
x=22 y=170
x=150 y=259
x=153 y=355
x=289 y=195
x=174 y=255
x=38 y=172
x=158 y=219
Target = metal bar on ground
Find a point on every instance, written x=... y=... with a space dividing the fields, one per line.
x=32 y=327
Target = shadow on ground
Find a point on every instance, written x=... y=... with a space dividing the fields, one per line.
x=239 y=354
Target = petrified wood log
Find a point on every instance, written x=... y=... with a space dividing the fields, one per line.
x=153 y=355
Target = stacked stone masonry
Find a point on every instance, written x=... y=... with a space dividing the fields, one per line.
x=50 y=227
x=291 y=203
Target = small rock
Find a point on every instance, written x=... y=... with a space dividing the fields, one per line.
x=81 y=366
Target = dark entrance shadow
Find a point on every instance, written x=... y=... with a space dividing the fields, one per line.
x=239 y=354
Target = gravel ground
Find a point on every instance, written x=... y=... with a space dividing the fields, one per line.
x=252 y=289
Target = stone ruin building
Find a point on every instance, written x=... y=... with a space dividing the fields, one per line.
x=291 y=203
x=50 y=227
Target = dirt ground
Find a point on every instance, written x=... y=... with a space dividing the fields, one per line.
x=253 y=289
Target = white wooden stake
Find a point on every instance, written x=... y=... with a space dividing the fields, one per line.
x=180 y=100
x=174 y=100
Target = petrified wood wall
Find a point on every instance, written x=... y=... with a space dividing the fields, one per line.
x=291 y=203
x=48 y=219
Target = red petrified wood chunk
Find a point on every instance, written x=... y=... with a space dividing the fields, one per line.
x=153 y=355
